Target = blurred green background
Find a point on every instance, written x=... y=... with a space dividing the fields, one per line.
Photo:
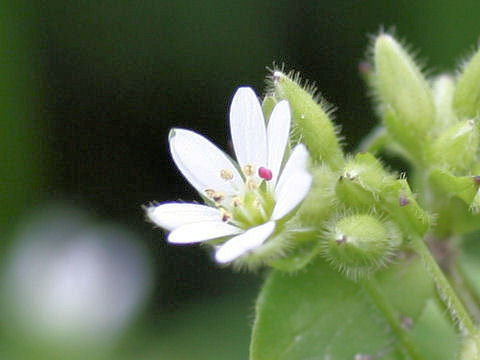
x=88 y=92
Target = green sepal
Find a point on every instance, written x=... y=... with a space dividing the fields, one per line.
x=401 y=86
x=456 y=147
x=443 y=90
x=400 y=203
x=447 y=184
x=300 y=256
x=311 y=123
x=321 y=200
x=410 y=144
x=362 y=181
x=466 y=100
x=268 y=104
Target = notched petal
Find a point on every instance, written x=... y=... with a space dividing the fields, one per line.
x=247 y=127
x=202 y=163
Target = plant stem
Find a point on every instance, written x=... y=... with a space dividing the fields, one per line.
x=389 y=312
x=448 y=295
x=464 y=289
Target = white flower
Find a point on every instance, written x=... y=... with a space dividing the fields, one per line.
x=249 y=199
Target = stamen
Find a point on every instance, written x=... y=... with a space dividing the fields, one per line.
x=226 y=174
x=237 y=201
x=210 y=193
x=265 y=173
x=252 y=185
x=226 y=215
x=218 y=196
x=248 y=170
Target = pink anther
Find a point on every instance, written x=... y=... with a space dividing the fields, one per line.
x=265 y=173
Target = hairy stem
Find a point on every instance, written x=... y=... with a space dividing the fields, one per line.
x=391 y=315
x=448 y=295
x=465 y=289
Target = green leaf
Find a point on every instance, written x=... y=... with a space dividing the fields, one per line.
x=436 y=337
x=318 y=314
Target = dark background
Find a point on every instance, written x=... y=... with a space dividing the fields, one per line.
x=89 y=90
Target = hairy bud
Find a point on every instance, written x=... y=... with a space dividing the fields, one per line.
x=360 y=244
x=404 y=92
x=456 y=147
x=311 y=122
x=466 y=100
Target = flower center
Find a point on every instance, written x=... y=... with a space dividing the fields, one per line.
x=250 y=206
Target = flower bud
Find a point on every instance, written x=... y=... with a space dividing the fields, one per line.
x=443 y=90
x=311 y=122
x=362 y=181
x=466 y=100
x=402 y=88
x=456 y=147
x=358 y=245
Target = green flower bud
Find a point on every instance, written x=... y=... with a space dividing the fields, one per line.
x=471 y=347
x=362 y=181
x=401 y=86
x=443 y=90
x=358 y=245
x=400 y=203
x=311 y=123
x=456 y=147
x=466 y=100
x=447 y=184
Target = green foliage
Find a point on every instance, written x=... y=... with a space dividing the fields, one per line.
x=318 y=314
x=368 y=295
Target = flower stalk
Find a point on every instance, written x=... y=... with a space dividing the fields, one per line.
x=454 y=304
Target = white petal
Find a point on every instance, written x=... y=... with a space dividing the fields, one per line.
x=201 y=162
x=244 y=243
x=172 y=215
x=201 y=231
x=247 y=127
x=295 y=189
x=297 y=162
x=278 y=131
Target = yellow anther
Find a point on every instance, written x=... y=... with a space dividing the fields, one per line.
x=252 y=185
x=237 y=201
x=226 y=174
x=249 y=170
